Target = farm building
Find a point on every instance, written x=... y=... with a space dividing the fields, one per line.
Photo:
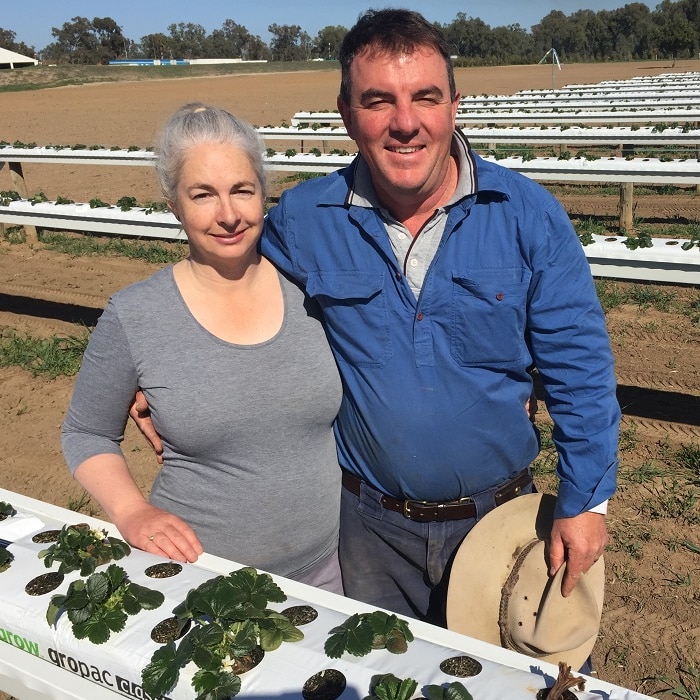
x=10 y=59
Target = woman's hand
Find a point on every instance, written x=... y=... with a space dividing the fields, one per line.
x=156 y=531
x=144 y=526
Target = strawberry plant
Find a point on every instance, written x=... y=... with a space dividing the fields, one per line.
x=229 y=628
x=7 y=196
x=38 y=198
x=641 y=240
x=694 y=241
x=127 y=203
x=80 y=547
x=454 y=691
x=102 y=603
x=6 y=558
x=362 y=632
x=387 y=686
x=6 y=510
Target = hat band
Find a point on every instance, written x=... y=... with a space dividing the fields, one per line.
x=506 y=638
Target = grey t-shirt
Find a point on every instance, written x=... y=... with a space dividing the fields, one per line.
x=250 y=458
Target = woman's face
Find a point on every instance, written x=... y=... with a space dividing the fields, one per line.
x=219 y=202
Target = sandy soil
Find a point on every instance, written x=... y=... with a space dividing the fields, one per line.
x=650 y=623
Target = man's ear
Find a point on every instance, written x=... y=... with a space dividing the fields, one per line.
x=455 y=107
x=346 y=114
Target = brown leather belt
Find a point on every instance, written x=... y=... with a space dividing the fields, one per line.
x=431 y=512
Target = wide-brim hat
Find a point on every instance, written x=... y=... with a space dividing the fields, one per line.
x=500 y=590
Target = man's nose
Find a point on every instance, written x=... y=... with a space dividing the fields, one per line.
x=405 y=119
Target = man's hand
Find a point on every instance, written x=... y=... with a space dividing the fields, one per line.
x=141 y=415
x=579 y=541
x=531 y=406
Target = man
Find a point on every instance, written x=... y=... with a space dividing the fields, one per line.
x=442 y=280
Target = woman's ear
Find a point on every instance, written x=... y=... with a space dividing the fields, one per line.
x=173 y=208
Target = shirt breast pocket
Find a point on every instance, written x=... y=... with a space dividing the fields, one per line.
x=356 y=314
x=489 y=310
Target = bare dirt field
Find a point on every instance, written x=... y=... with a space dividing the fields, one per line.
x=651 y=619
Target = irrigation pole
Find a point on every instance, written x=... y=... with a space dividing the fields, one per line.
x=555 y=60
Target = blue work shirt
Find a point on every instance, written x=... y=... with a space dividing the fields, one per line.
x=435 y=387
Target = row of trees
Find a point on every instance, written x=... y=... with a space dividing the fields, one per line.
x=630 y=32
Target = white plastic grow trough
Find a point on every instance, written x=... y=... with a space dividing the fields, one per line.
x=80 y=217
x=101 y=156
x=606 y=170
x=497 y=116
x=664 y=262
x=40 y=661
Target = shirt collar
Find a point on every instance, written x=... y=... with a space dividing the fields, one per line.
x=362 y=193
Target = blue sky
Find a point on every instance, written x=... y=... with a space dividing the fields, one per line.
x=32 y=20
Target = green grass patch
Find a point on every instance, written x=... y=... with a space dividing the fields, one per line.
x=685 y=686
x=148 y=251
x=649 y=296
x=614 y=189
x=14 y=235
x=642 y=473
x=82 y=504
x=687 y=458
x=586 y=228
x=674 y=498
x=50 y=357
x=671 y=478
x=628 y=536
x=691 y=308
x=628 y=438
x=610 y=294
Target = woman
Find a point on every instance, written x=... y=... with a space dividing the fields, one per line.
x=234 y=364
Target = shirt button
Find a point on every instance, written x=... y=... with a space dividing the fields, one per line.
x=414 y=263
x=401 y=236
x=398 y=275
x=419 y=316
x=499 y=296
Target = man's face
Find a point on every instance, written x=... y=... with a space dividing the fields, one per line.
x=402 y=118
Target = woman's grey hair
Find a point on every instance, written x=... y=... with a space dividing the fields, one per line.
x=196 y=123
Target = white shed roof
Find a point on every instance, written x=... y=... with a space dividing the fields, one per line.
x=15 y=59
